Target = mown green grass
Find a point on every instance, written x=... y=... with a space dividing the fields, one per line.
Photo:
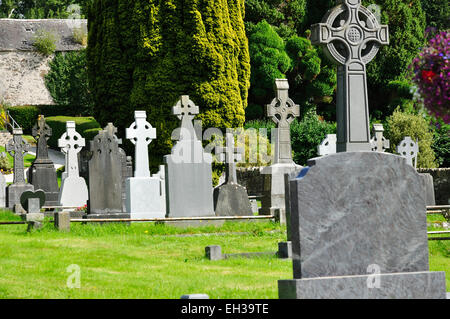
x=139 y=261
x=147 y=260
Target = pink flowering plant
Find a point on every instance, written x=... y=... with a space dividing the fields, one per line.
x=431 y=71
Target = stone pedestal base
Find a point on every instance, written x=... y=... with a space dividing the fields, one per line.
x=74 y=192
x=144 y=198
x=414 y=285
x=231 y=200
x=273 y=196
x=15 y=191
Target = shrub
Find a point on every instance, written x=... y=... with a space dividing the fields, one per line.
x=269 y=62
x=26 y=115
x=79 y=36
x=431 y=72
x=402 y=124
x=45 y=42
x=307 y=134
x=67 y=82
x=86 y=126
x=441 y=142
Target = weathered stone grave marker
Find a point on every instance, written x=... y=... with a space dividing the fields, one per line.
x=73 y=192
x=17 y=147
x=328 y=145
x=105 y=175
x=189 y=191
x=282 y=110
x=409 y=150
x=379 y=142
x=348 y=243
x=230 y=198
x=351 y=36
x=2 y=191
x=42 y=173
x=143 y=191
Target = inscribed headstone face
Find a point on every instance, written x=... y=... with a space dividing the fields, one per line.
x=353 y=213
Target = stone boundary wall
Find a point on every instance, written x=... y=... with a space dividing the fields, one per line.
x=22 y=69
x=253 y=180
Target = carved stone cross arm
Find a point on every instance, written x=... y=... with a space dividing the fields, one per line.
x=351 y=36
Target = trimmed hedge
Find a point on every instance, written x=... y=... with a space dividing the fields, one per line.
x=26 y=115
x=88 y=127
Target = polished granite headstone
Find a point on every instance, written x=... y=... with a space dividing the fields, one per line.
x=355 y=216
x=42 y=173
x=17 y=147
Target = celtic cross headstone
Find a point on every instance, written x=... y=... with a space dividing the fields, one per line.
x=409 y=150
x=351 y=36
x=17 y=147
x=186 y=110
x=230 y=155
x=379 y=142
x=73 y=192
x=143 y=192
x=42 y=173
x=282 y=110
x=141 y=134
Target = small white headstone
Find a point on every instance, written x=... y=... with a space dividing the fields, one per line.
x=73 y=190
x=328 y=145
x=409 y=150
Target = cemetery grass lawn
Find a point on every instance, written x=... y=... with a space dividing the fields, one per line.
x=146 y=260
x=143 y=260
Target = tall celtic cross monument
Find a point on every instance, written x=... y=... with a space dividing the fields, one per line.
x=351 y=36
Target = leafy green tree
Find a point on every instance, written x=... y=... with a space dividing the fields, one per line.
x=269 y=62
x=311 y=81
x=145 y=54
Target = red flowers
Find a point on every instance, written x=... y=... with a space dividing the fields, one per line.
x=428 y=76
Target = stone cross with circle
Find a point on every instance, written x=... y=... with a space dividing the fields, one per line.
x=186 y=110
x=283 y=111
x=42 y=132
x=351 y=36
x=141 y=133
x=71 y=144
x=17 y=147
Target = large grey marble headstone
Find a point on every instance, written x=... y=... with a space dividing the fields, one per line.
x=105 y=173
x=42 y=173
x=354 y=212
x=351 y=37
x=188 y=171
